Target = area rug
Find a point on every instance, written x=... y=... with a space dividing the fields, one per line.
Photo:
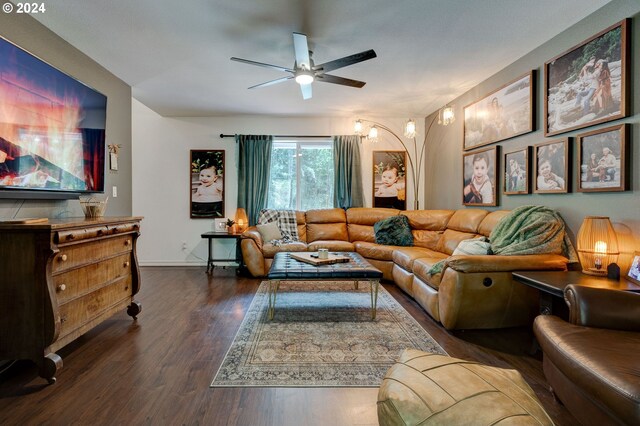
x=322 y=335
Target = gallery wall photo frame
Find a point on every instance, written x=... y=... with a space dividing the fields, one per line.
x=588 y=84
x=502 y=114
x=206 y=184
x=516 y=172
x=551 y=168
x=603 y=159
x=479 y=177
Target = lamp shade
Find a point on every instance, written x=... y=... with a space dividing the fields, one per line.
x=597 y=245
x=242 y=220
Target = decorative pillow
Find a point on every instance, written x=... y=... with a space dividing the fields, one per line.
x=393 y=231
x=269 y=231
x=473 y=246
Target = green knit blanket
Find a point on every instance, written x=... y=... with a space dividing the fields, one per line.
x=527 y=230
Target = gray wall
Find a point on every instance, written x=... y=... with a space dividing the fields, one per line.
x=444 y=146
x=30 y=35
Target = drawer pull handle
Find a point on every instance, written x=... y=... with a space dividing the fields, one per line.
x=62 y=287
x=63 y=319
x=125 y=264
x=63 y=258
x=127 y=242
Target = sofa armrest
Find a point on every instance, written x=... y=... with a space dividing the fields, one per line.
x=497 y=263
x=252 y=233
x=603 y=308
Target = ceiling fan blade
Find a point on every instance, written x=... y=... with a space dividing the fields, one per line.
x=346 y=61
x=327 y=78
x=260 y=64
x=306 y=91
x=301 y=51
x=269 y=83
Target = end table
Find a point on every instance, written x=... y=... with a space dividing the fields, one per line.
x=223 y=235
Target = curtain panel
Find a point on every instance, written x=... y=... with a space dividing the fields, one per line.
x=347 y=172
x=254 y=163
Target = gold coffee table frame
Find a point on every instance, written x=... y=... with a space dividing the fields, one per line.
x=274 y=285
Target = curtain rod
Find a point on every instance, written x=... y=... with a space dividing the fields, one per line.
x=283 y=136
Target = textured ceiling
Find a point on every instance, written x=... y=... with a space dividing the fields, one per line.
x=175 y=54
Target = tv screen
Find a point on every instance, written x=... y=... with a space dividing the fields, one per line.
x=52 y=129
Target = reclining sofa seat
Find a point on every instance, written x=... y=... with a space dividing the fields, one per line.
x=472 y=292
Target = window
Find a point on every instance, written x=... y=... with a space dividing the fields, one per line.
x=301 y=175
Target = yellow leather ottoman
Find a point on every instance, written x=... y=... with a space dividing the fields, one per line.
x=428 y=389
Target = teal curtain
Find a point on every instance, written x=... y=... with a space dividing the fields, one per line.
x=254 y=163
x=347 y=172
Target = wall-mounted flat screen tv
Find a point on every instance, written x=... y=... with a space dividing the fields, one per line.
x=52 y=130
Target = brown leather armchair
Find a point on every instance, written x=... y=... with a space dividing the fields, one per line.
x=592 y=362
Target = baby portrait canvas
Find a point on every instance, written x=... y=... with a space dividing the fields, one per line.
x=207 y=184
x=479 y=176
x=389 y=179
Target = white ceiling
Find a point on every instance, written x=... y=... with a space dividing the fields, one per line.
x=175 y=54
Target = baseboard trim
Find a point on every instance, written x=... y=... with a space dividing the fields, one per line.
x=182 y=263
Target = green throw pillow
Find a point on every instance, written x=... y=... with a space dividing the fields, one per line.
x=393 y=231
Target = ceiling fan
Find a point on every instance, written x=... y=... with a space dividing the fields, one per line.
x=305 y=71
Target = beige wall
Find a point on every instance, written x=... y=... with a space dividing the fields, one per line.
x=444 y=147
x=33 y=37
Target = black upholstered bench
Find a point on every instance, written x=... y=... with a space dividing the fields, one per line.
x=284 y=268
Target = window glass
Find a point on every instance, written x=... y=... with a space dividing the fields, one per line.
x=301 y=176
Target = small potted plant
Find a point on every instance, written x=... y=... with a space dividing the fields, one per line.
x=231 y=226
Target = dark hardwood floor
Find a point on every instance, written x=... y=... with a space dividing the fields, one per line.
x=157 y=370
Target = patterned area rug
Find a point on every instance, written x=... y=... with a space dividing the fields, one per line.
x=322 y=335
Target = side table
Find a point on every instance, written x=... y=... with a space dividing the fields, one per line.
x=552 y=283
x=223 y=235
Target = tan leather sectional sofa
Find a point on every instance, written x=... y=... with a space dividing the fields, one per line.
x=472 y=292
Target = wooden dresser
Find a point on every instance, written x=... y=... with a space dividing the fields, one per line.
x=59 y=279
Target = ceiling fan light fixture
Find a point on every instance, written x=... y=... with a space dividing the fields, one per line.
x=304 y=77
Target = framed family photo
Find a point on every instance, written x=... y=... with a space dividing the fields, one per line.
x=206 y=184
x=552 y=175
x=602 y=159
x=389 y=179
x=588 y=84
x=516 y=172
x=479 y=170
x=502 y=114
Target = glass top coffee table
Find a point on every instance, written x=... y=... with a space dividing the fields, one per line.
x=286 y=268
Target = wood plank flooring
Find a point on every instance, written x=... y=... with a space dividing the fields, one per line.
x=157 y=370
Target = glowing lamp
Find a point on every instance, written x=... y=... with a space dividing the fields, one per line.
x=242 y=220
x=597 y=245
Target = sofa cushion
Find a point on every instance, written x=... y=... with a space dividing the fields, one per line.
x=490 y=221
x=393 y=231
x=467 y=220
x=474 y=246
x=450 y=240
x=269 y=231
x=332 y=245
x=428 y=220
x=269 y=250
x=405 y=256
x=374 y=251
x=422 y=266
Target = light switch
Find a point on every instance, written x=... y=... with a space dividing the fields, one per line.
x=115 y=191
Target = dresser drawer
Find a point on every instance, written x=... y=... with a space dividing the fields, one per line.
x=85 y=253
x=79 y=281
x=78 y=312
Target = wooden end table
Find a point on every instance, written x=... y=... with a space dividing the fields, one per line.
x=552 y=284
x=223 y=235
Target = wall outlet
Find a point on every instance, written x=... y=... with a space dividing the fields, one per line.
x=184 y=245
x=114 y=191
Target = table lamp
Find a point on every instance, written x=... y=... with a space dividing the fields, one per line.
x=242 y=220
x=597 y=245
